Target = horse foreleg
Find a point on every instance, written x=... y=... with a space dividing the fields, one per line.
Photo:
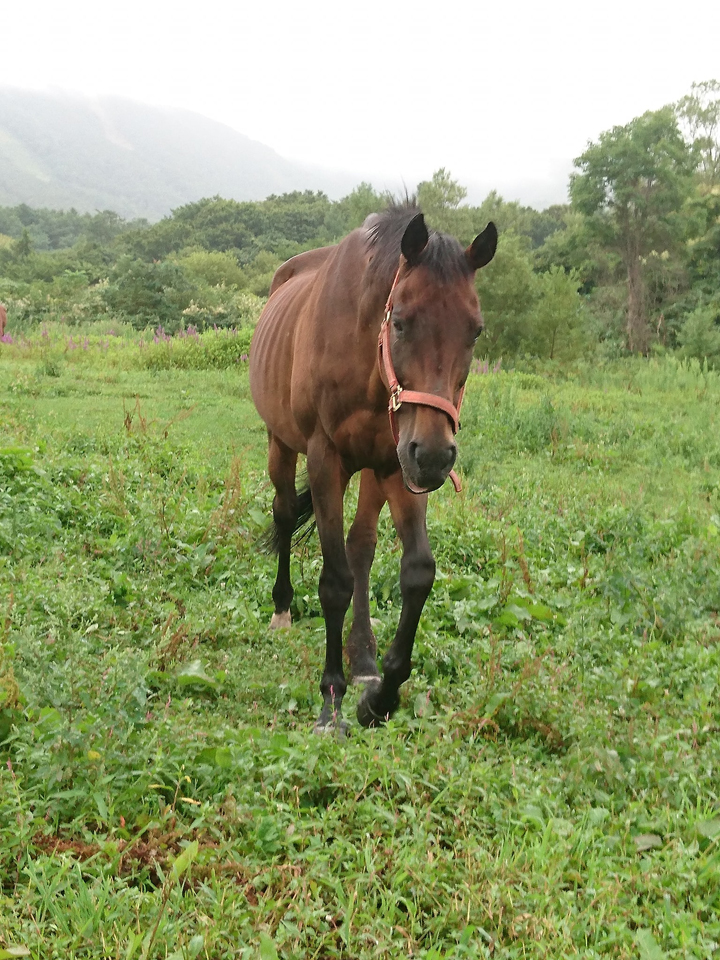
x=361 y=643
x=417 y=573
x=282 y=464
x=328 y=481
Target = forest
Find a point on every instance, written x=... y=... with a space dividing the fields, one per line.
x=631 y=264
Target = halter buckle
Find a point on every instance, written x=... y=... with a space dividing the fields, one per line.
x=396 y=398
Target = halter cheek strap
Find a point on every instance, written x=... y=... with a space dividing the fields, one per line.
x=398 y=395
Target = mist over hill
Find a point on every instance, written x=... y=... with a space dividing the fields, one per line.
x=62 y=151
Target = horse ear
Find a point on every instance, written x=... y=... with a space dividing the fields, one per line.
x=414 y=239
x=482 y=249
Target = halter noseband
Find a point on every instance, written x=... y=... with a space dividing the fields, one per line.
x=399 y=395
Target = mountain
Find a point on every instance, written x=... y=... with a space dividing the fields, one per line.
x=62 y=151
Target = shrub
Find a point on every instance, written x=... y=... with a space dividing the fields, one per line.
x=509 y=291
x=558 y=320
x=149 y=293
x=212 y=267
x=214 y=349
x=699 y=336
x=223 y=307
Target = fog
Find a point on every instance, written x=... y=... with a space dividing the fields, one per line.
x=503 y=95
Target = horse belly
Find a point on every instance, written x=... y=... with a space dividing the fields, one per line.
x=271 y=364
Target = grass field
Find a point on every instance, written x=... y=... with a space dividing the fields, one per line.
x=549 y=787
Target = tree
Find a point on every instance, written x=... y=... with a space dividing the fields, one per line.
x=439 y=198
x=704 y=250
x=213 y=267
x=632 y=185
x=24 y=246
x=699 y=116
x=511 y=215
x=149 y=293
x=509 y=291
x=558 y=316
x=356 y=206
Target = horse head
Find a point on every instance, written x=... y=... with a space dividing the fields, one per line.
x=433 y=321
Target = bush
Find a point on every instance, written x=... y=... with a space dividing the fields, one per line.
x=212 y=267
x=222 y=307
x=699 y=336
x=149 y=293
x=558 y=320
x=214 y=349
x=67 y=298
x=509 y=291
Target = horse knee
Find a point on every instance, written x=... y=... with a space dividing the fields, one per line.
x=417 y=574
x=336 y=588
x=361 y=540
x=360 y=547
x=285 y=511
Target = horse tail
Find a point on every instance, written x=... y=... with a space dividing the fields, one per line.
x=304 y=525
x=302 y=530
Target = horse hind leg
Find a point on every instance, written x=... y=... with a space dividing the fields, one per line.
x=282 y=466
x=361 y=646
x=328 y=482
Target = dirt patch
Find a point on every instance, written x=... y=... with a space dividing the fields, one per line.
x=158 y=850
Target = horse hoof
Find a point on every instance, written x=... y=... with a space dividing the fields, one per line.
x=376 y=706
x=336 y=728
x=366 y=715
x=281 y=621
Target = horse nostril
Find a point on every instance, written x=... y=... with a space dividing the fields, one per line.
x=412 y=450
x=446 y=458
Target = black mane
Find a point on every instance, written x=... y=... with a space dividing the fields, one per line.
x=444 y=256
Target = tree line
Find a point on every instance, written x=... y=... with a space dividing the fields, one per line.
x=630 y=264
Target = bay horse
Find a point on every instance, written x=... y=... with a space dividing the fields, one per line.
x=382 y=323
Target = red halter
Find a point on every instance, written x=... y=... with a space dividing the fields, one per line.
x=398 y=395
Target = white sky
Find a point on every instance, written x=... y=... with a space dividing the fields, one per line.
x=502 y=94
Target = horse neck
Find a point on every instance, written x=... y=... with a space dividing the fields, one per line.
x=376 y=289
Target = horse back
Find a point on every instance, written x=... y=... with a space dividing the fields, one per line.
x=307 y=326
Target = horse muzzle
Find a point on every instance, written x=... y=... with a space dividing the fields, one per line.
x=426 y=467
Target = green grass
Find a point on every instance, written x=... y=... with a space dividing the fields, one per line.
x=549 y=787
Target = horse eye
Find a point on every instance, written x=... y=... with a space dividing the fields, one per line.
x=397 y=325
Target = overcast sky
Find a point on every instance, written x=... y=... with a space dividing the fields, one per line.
x=502 y=94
